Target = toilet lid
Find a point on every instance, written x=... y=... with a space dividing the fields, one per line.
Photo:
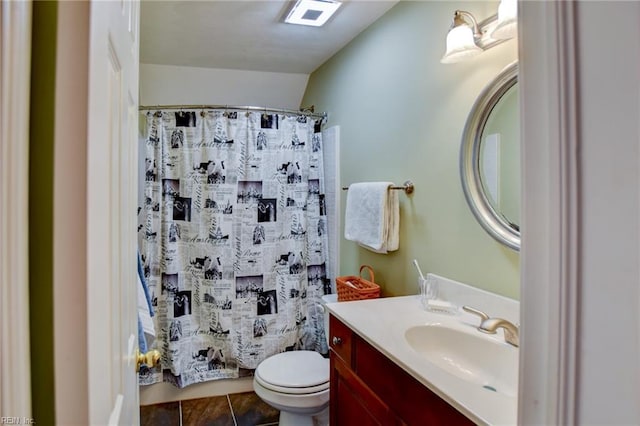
x=294 y=372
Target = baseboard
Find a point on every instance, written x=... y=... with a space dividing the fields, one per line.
x=165 y=392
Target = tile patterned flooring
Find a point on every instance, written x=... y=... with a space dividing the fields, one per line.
x=239 y=409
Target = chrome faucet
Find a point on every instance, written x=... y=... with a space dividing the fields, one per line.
x=491 y=325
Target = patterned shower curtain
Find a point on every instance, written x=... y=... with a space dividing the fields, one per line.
x=233 y=237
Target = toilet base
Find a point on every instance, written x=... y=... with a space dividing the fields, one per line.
x=288 y=418
x=322 y=419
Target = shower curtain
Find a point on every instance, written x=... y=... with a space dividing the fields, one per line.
x=233 y=237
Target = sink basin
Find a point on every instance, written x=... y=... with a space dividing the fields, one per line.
x=472 y=356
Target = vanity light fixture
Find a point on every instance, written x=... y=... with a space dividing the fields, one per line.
x=461 y=39
x=312 y=12
x=507 y=26
x=466 y=38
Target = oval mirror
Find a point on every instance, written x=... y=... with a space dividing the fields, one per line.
x=490 y=159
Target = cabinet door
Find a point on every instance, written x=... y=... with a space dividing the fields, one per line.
x=340 y=339
x=352 y=402
x=411 y=400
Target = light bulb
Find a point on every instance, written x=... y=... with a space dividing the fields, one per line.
x=507 y=26
x=460 y=45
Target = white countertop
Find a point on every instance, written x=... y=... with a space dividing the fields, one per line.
x=383 y=322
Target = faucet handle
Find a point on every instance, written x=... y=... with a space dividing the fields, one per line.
x=483 y=316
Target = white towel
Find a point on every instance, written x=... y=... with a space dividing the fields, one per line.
x=372 y=216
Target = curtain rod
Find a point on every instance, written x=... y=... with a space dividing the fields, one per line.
x=307 y=111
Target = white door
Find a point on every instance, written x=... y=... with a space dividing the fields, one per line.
x=111 y=214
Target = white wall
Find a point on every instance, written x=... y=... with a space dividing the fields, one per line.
x=609 y=318
x=15 y=73
x=174 y=85
x=70 y=249
x=332 y=191
x=580 y=352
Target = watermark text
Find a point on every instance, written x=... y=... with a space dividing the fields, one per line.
x=15 y=420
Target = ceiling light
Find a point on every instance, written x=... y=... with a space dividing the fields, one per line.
x=312 y=12
x=461 y=39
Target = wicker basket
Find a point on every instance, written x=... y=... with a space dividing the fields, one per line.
x=359 y=289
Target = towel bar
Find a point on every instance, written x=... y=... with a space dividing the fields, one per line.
x=407 y=187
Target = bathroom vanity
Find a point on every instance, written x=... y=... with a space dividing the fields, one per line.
x=369 y=389
x=394 y=363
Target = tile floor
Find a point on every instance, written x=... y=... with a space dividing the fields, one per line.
x=239 y=409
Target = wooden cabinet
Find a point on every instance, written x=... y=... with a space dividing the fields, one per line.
x=367 y=388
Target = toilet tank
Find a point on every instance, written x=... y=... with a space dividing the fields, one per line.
x=327 y=298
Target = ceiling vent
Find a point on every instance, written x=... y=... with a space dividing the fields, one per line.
x=312 y=12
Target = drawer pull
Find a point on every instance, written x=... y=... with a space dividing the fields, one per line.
x=337 y=341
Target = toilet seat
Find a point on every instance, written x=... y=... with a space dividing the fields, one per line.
x=282 y=373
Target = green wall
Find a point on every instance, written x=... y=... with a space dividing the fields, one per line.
x=401 y=115
x=41 y=142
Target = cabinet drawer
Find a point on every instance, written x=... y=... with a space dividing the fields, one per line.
x=340 y=339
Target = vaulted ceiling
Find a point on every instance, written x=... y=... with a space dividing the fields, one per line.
x=247 y=35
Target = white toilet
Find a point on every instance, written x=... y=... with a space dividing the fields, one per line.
x=296 y=383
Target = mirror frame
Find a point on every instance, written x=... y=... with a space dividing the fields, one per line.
x=492 y=221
